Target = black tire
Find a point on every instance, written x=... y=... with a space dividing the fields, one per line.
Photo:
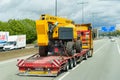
x=70 y=48
x=80 y=59
x=90 y=53
x=74 y=62
x=66 y=67
x=43 y=51
x=85 y=56
x=78 y=45
x=70 y=64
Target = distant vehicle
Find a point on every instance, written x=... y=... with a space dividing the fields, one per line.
x=2 y=43
x=112 y=40
x=3 y=39
x=15 y=42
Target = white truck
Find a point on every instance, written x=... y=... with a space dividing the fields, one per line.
x=3 y=39
x=15 y=42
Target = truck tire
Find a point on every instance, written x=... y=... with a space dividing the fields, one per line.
x=78 y=45
x=43 y=51
x=67 y=67
x=74 y=62
x=70 y=48
x=85 y=56
x=80 y=59
x=70 y=64
x=89 y=53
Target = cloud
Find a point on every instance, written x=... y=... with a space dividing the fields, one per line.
x=99 y=10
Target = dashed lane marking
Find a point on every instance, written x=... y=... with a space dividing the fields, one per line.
x=118 y=47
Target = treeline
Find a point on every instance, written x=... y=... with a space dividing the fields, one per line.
x=17 y=27
x=115 y=33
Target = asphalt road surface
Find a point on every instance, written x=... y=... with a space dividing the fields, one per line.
x=104 y=65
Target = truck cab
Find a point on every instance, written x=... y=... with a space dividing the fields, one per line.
x=2 y=43
x=15 y=42
x=10 y=45
x=3 y=39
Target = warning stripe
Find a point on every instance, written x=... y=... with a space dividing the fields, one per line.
x=56 y=63
x=20 y=62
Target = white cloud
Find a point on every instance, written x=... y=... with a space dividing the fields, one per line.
x=105 y=11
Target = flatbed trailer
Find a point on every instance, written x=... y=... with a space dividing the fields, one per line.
x=62 y=44
x=50 y=65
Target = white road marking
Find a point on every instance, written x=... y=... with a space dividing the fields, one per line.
x=78 y=65
x=118 y=47
x=61 y=78
x=75 y=67
x=82 y=62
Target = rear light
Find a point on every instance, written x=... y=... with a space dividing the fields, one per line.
x=21 y=68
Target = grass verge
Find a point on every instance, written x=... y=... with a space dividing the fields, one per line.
x=17 y=53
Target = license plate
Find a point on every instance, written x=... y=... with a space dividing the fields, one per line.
x=38 y=72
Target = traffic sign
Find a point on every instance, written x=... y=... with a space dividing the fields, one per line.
x=108 y=28
x=104 y=29
x=112 y=28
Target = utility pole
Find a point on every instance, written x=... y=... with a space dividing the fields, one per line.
x=93 y=17
x=55 y=7
x=82 y=3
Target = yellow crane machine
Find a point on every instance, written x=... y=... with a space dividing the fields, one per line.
x=57 y=34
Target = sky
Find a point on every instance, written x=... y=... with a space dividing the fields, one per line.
x=98 y=12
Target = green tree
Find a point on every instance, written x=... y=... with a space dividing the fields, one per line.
x=19 y=27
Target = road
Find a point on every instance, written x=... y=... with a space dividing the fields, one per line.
x=104 y=65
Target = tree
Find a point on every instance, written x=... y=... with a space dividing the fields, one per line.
x=19 y=27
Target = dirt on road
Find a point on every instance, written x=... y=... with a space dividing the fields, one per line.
x=17 y=53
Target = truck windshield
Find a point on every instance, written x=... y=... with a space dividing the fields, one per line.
x=11 y=43
x=2 y=43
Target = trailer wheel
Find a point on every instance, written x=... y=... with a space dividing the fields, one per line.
x=80 y=59
x=78 y=46
x=67 y=67
x=74 y=62
x=43 y=51
x=85 y=56
x=70 y=64
x=70 y=48
x=89 y=53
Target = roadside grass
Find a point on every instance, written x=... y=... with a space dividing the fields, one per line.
x=5 y=55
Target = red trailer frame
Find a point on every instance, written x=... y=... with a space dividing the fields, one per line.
x=50 y=65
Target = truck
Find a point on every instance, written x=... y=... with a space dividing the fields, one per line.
x=86 y=32
x=3 y=39
x=62 y=45
x=15 y=42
